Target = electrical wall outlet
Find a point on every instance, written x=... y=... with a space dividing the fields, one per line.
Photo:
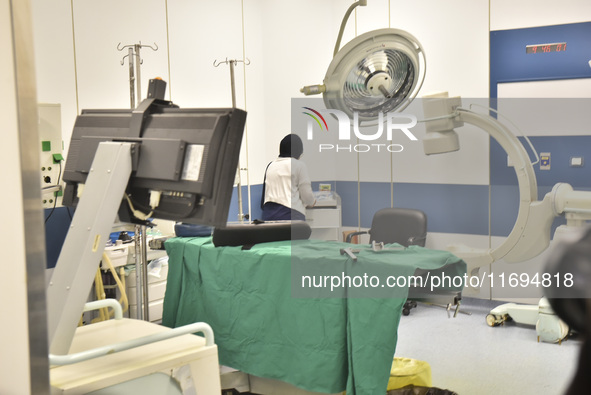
x=576 y=161
x=50 y=151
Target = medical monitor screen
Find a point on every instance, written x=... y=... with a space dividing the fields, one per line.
x=189 y=156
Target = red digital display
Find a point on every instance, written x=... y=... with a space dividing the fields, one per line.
x=545 y=48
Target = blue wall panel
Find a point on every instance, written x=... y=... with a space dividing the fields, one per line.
x=510 y=63
x=347 y=190
x=450 y=208
x=374 y=196
x=561 y=148
x=56 y=230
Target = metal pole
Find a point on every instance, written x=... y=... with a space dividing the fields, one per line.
x=138 y=276
x=232 y=83
x=131 y=78
x=138 y=80
x=138 y=230
x=138 y=262
x=239 y=186
x=141 y=255
x=142 y=234
x=145 y=273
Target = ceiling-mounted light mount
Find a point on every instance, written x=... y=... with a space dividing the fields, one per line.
x=377 y=72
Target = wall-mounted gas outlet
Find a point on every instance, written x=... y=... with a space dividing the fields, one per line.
x=544 y=161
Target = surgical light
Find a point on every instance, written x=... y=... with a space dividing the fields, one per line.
x=377 y=72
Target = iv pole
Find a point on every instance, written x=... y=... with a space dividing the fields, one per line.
x=141 y=252
x=135 y=82
x=232 y=63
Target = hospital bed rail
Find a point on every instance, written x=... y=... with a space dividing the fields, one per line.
x=69 y=359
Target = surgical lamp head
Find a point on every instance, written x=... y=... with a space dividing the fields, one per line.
x=377 y=72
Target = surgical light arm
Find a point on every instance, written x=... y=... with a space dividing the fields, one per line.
x=530 y=235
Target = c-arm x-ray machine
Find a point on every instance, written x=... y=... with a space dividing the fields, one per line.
x=530 y=235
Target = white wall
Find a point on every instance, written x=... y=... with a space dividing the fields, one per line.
x=297 y=44
x=99 y=27
x=289 y=44
x=54 y=58
x=508 y=14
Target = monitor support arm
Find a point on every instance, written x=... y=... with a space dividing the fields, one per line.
x=83 y=248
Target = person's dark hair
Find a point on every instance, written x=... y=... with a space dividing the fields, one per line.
x=291 y=146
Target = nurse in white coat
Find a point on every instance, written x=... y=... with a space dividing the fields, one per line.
x=287 y=190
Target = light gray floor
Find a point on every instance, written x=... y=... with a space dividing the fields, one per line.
x=471 y=358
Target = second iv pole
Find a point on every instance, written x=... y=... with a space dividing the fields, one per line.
x=232 y=63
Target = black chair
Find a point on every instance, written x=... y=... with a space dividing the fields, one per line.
x=406 y=227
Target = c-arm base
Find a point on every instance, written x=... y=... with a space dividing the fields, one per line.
x=549 y=327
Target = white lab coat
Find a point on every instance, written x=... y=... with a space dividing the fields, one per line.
x=288 y=183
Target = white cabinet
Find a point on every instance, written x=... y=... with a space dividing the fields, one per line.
x=156 y=290
x=325 y=217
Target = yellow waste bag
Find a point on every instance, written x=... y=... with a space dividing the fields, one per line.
x=406 y=371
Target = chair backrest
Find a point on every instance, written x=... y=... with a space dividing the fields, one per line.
x=404 y=226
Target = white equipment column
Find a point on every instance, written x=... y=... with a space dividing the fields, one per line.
x=83 y=248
